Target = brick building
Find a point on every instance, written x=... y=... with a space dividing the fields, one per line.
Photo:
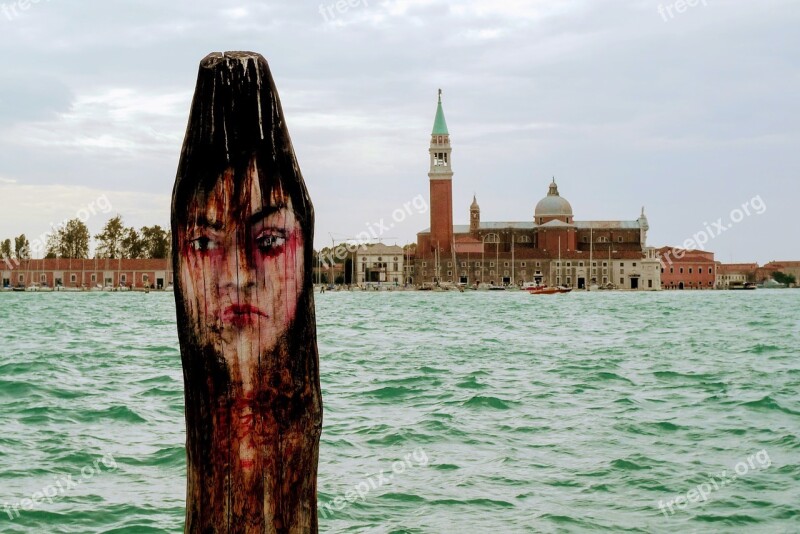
x=551 y=248
x=687 y=269
x=787 y=267
x=87 y=273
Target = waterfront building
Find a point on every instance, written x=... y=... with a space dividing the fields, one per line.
x=379 y=264
x=735 y=274
x=549 y=248
x=786 y=267
x=687 y=269
x=88 y=273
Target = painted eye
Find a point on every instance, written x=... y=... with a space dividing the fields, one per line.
x=270 y=242
x=203 y=244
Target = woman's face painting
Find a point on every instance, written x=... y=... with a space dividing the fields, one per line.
x=241 y=270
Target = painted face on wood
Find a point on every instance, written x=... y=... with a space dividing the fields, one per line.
x=242 y=267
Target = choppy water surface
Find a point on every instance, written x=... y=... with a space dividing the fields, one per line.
x=444 y=412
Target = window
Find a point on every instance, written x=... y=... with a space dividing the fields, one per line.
x=395 y=258
x=449 y=263
x=491 y=271
x=634 y=264
x=690 y=270
x=622 y=264
x=622 y=281
x=424 y=263
x=396 y=266
x=477 y=264
x=569 y=280
x=505 y=264
x=569 y=264
x=43 y=278
x=672 y=270
x=594 y=264
x=585 y=239
x=380 y=259
x=662 y=270
x=123 y=278
x=491 y=264
x=449 y=273
x=94 y=278
x=619 y=239
x=363 y=259
x=73 y=278
x=580 y=264
x=21 y=279
x=522 y=265
x=463 y=264
x=622 y=271
x=681 y=270
x=538 y=264
x=605 y=264
x=649 y=283
x=145 y=279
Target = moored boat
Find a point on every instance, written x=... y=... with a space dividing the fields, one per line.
x=545 y=290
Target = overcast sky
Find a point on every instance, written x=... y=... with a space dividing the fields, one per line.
x=690 y=114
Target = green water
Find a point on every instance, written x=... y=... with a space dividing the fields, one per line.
x=444 y=412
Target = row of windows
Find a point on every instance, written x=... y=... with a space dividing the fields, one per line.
x=478 y=264
x=691 y=271
x=539 y=264
x=363 y=258
x=601 y=239
x=123 y=278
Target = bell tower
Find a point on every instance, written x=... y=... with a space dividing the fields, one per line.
x=474 y=216
x=441 y=182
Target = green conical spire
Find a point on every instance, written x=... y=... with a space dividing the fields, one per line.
x=440 y=125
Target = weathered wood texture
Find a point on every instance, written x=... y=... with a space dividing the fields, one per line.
x=242 y=227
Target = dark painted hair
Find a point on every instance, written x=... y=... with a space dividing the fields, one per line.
x=236 y=117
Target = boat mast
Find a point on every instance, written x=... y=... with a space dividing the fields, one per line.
x=558 y=279
x=512 y=257
x=591 y=246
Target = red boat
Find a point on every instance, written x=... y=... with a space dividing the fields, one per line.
x=544 y=290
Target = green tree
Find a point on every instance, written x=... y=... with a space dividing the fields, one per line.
x=22 y=248
x=110 y=239
x=53 y=246
x=74 y=240
x=132 y=244
x=5 y=249
x=156 y=241
x=784 y=278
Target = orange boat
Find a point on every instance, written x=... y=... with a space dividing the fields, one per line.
x=544 y=290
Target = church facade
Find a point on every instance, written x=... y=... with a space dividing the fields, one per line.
x=550 y=248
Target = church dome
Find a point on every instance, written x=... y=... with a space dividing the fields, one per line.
x=553 y=205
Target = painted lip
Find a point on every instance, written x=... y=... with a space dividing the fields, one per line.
x=241 y=315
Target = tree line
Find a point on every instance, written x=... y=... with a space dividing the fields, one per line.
x=115 y=241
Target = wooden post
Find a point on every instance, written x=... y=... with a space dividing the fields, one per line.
x=242 y=239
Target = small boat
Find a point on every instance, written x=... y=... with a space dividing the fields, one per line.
x=545 y=290
x=747 y=286
x=497 y=288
